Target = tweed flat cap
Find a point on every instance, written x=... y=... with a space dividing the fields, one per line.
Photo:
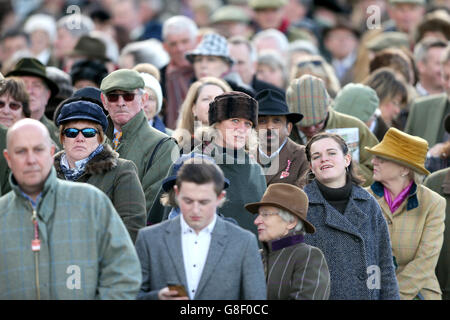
x=212 y=44
x=308 y=96
x=233 y=104
x=123 y=79
x=357 y=100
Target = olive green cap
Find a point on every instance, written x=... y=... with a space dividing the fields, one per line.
x=388 y=40
x=230 y=13
x=123 y=79
x=262 y=4
x=357 y=100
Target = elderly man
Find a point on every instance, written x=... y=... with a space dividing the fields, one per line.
x=282 y=159
x=59 y=247
x=179 y=36
x=123 y=96
x=307 y=95
x=198 y=255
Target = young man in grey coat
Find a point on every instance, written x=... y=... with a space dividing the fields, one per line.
x=210 y=258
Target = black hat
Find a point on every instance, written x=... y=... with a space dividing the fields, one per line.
x=33 y=67
x=272 y=103
x=82 y=110
x=91 y=70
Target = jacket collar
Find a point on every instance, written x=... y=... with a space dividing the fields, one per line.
x=287 y=241
x=130 y=128
x=105 y=161
x=412 y=202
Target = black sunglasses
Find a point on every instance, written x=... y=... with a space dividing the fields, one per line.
x=12 y=105
x=73 y=133
x=114 y=97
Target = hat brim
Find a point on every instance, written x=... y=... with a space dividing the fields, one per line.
x=191 y=56
x=169 y=182
x=254 y=206
x=388 y=156
x=83 y=117
x=24 y=72
x=292 y=117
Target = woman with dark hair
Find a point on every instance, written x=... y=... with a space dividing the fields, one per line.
x=87 y=158
x=350 y=228
x=13 y=101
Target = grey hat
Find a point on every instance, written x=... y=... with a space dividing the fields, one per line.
x=262 y=4
x=387 y=40
x=357 y=100
x=212 y=44
x=230 y=13
x=123 y=79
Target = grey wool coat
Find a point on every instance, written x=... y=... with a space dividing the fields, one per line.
x=118 y=179
x=356 y=245
x=233 y=269
x=295 y=270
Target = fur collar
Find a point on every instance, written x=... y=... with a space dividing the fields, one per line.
x=103 y=162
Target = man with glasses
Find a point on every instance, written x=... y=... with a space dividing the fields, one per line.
x=123 y=96
x=40 y=89
x=59 y=247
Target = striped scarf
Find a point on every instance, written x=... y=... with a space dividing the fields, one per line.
x=80 y=165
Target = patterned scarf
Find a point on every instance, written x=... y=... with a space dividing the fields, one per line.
x=80 y=165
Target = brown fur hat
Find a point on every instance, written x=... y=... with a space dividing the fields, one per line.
x=233 y=104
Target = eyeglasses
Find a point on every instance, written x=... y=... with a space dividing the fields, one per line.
x=265 y=215
x=87 y=132
x=114 y=97
x=12 y=105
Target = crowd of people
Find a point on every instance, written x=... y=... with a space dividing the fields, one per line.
x=225 y=150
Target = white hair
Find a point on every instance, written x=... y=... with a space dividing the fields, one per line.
x=282 y=41
x=147 y=51
x=289 y=217
x=179 y=24
x=43 y=22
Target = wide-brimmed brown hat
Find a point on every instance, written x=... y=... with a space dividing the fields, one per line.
x=287 y=197
x=405 y=149
x=90 y=48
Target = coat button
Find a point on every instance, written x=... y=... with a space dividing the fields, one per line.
x=362 y=277
x=357 y=239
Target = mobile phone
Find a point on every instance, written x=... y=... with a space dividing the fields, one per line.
x=179 y=288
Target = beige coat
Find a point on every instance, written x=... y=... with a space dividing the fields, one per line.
x=416 y=229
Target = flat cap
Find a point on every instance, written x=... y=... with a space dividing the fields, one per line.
x=388 y=40
x=82 y=110
x=262 y=4
x=421 y=2
x=123 y=79
x=230 y=13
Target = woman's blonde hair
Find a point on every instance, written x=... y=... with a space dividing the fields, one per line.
x=186 y=119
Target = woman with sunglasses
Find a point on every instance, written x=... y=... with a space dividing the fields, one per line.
x=13 y=101
x=87 y=158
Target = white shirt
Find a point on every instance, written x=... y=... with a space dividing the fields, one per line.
x=195 y=251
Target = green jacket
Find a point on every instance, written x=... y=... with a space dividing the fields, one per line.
x=366 y=139
x=4 y=169
x=53 y=130
x=426 y=118
x=118 y=179
x=247 y=183
x=439 y=182
x=86 y=252
x=137 y=144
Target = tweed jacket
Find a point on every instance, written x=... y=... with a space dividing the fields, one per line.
x=233 y=269
x=295 y=270
x=439 y=182
x=416 y=230
x=426 y=116
x=355 y=244
x=86 y=252
x=137 y=144
x=118 y=179
x=247 y=183
x=288 y=166
x=366 y=139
